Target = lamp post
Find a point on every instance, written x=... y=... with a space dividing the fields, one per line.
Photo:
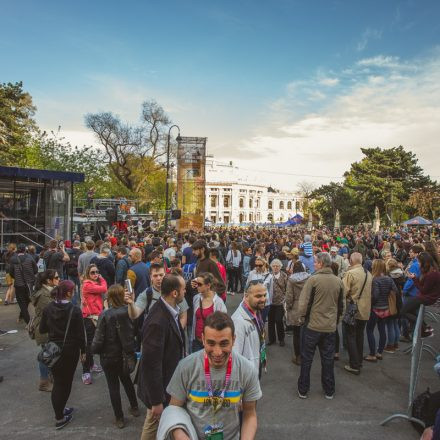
x=167 y=186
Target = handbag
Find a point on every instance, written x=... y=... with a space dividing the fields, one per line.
x=392 y=303
x=51 y=351
x=129 y=360
x=352 y=308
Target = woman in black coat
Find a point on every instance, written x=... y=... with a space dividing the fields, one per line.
x=114 y=339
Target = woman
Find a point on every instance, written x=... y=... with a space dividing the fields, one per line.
x=205 y=303
x=276 y=310
x=294 y=287
x=233 y=262
x=114 y=337
x=93 y=289
x=262 y=274
x=10 y=293
x=54 y=321
x=428 y=286
x=40 y=298
x=382 y=287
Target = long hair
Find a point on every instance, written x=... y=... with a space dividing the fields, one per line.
x=431 y=249
x=379 y=268
x=60 y=292
x=88 y=269
x=115 y=296
x=427 y=263
x=42 y=278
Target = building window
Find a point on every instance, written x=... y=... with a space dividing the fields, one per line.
x=270 y=204
x=258 y=203
x=251 y=217
x=213 y=218
x=226 y=201
x=258 y=217
x=270 y=217
x=289 y=205
x=242 y=217
x=241 y=203
x=281 y=205
x=226 y=218
x=213 y=201
x=251 y=203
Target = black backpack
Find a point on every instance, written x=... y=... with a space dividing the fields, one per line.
x=72 y=264
x=424 y=408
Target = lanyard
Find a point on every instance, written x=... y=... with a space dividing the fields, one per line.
x=208 y=377
x=256 y=318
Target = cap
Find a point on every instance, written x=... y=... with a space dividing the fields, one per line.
x=333 y=249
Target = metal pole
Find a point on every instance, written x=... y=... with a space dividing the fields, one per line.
x=167 y=189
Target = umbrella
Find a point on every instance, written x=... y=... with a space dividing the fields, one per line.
x=416 y=221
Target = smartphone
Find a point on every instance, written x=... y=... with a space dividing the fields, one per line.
x=128 y=286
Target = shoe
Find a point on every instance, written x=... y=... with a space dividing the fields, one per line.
x=61 y=424
x=427 y=334
x=296 y=360
x=134 y=411
x=96 y=368
x=329 y=397
x=14 y=301
x=405 y=339
x=120 y=423
x=389 y=349
x=6 y=303
x=352 y=370
x=282 y=343
x=45 y=385
x=3 y=332
x=302 y=396
x=379 y=356
x=370 y=358
x=396 y=346
x=87 y=379
x=270 y=343
x=67 y=411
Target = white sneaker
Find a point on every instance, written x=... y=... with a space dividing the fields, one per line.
x=329 y=397
x=302 y=396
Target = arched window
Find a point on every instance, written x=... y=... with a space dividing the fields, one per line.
x=281 y=205
x=270 y=217
x=289 y=205
x=241 y=203
x=270 y=204
x=241 y=217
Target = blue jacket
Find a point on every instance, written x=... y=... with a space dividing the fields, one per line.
x=409 y=289
x=122 y=267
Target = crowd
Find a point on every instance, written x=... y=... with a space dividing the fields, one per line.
x=153 y=307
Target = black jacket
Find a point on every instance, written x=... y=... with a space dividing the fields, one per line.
x=106 y=268
x=163 y=347
x=108 y=341
x=54 y=322
x=381 y=288
x=25 y=272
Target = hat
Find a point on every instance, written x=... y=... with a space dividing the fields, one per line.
x=294 y=251
x=333 y=249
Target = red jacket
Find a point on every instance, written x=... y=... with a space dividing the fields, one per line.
x=92 y=292
x=429 y=287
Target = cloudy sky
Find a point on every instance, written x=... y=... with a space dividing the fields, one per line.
x=288 y=90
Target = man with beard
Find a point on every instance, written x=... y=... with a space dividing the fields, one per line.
x=249 y=325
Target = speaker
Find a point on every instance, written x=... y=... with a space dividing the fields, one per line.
x=79 y=210
x=111 y=215
x=176 y=214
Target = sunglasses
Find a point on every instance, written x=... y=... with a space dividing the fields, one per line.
x=94 y=272
x=199 y=284
x=258 y=265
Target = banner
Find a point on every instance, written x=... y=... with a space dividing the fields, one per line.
x=191 y=161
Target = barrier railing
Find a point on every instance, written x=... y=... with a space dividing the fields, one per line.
x=22 y=234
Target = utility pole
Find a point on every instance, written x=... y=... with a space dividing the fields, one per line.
x=167 y=185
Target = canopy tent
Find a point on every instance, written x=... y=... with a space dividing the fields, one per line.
x=437 y=222
x=417 y=221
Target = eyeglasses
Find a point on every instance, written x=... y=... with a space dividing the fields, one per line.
x=199 y=284
x=258 y=265
x=94 y=272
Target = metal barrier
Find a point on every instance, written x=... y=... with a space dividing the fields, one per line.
x=416 y=349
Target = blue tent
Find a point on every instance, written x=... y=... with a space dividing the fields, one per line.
x=296 y=220
x=417 y=221
x=437 y=222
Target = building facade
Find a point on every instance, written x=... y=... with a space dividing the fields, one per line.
x=232 y=198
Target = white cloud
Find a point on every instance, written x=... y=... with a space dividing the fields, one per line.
x=330 y=82
x=368 y=34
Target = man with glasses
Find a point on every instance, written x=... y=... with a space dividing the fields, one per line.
x=249 y=325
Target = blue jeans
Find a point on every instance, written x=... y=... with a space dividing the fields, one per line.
x=308 y=262
x=325 y=342
x=265 y=313
x=393 y=330
x=76 y=300
x=381 y=324
x=44 y=371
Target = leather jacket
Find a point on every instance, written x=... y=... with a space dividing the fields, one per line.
x=111 y=341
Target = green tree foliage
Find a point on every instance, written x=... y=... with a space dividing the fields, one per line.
x=17 y=125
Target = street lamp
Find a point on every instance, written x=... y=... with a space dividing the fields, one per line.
x=167 y=186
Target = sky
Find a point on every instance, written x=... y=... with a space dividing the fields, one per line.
x=288 y=90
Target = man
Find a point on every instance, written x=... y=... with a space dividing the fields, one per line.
x=122 y=265
x=249 y=325
x=84 y=258
x=72 y=269
x=205 y=264
x=360 y=247
x=105 y=265
x=214 y=385
x=214 y=254
x=320 y=306
x=23 y=270
x=138 y=273
x=338 y=259
x=357 y=283
x=259 y=252
x=188 y=256
x=55 y=257
x=163 y=345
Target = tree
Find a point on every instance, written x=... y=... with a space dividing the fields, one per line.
x=425 y=201
x=128 y=146
x=16 y=122
x=305 y=189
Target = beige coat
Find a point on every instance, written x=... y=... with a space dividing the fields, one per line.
x=40 y=299
x=295 y=285
x=353 y=280
x=328 y=301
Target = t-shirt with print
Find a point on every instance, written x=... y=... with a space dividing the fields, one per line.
x=188 y=385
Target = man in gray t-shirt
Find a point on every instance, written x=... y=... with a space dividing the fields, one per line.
x=211 y=412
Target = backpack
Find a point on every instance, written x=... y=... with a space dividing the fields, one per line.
x=188 y=271
x=424 y=408
x=72 y=264
x=48 y=259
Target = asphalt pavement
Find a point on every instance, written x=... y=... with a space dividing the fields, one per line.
x=360 y=402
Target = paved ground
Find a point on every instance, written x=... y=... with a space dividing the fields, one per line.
x=359 y=405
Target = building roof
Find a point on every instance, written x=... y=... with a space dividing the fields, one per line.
x=30 y=173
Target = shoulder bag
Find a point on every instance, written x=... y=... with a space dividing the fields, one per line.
x=51 y=351
x=352 y=308
x=129 y=360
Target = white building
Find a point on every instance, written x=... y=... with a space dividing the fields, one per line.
x=231 y=197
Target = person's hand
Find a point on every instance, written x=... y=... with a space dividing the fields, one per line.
x=82 y=357
x=428 y=434
x=194 y=284
x=411 y=275
x=156 y=411
x=128 y=297
x=179 y=434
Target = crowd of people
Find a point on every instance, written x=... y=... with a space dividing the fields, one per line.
x=152 y=305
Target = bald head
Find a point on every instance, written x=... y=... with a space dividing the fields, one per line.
x=356 y=258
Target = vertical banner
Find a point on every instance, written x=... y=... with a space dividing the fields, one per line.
x=191 y=161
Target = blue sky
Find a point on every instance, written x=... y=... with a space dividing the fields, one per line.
x=279 y=86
